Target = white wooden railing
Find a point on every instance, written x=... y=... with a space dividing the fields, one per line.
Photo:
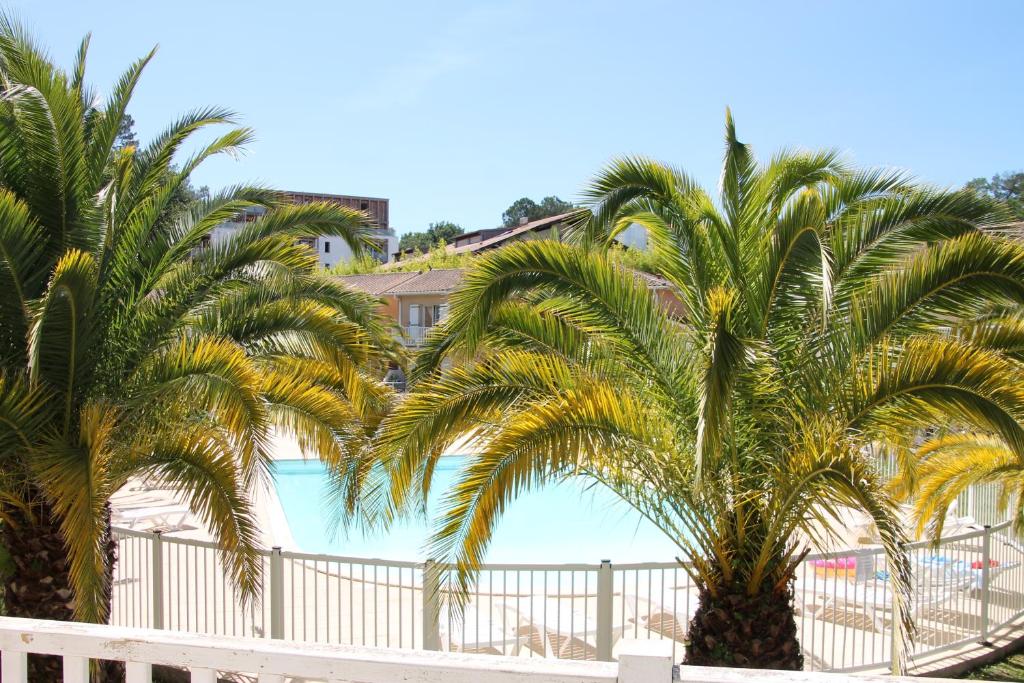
x=207 y=658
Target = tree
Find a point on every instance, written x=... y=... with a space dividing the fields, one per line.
x=1005 y=187
x=185 y=195
x=532 y=211
x=443 y=231
x=818 y=297
x=126 y=136
x=125 y=350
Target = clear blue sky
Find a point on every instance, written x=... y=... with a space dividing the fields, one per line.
x=453 y=110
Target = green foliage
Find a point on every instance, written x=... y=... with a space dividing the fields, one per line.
x=126 y=136
x=532 y=211
x=633 y=259
x=1005 y=187
x=127 y=349
x=437 y=233
x=439 y=257
x=818 y=300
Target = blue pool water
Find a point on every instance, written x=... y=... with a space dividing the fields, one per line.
x=568 y=522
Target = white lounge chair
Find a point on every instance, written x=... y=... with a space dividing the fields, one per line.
x=483 y=629
x=561 y=625
x=666 y=621
x=874 y=599
x=164 y=517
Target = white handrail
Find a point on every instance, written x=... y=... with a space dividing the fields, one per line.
x=144 y=648
x=272 y=661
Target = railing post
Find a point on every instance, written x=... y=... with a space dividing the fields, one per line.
x=157 y=578
x=986 y=554
x=14 y=667
x=431 y=607
x=604 y=611
x=276 y=593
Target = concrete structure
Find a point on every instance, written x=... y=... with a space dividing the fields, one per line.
x=330 y=250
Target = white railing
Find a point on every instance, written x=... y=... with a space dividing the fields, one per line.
x=208 y=658
x=415 y=334
x=966 y=587
x=272 y=662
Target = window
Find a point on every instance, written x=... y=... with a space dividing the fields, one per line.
x=327 y=247
x=439 y=311
x=415 y=315
x=363 y=206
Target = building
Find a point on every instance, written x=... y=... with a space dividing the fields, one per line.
x=330 y=250
x=417 y=301
x=551 y=227
x=491 y=238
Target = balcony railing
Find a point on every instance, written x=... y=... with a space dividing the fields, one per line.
x=414 y=335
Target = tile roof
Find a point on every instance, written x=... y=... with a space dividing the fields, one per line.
x=511 y=233
x=429 y=281
x=417 y=282
x=440 y=281
x=652 y=281
x=376 y=283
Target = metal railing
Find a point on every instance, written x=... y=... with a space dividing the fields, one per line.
x=965 y=587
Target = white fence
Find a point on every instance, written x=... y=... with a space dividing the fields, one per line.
x=965 y=587
x=274 y=662
x=209 y=658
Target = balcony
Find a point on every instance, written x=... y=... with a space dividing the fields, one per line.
x=414 y=335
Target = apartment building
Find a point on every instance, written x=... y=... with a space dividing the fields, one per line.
x=330 y=250
x=417 y=301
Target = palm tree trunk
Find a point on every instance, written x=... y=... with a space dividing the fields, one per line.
x=738 y=629
x=39 y=586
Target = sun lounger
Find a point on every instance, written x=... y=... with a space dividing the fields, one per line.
x=486 y=630
x=934 y=585
x=164 y=517
x=660 y=619
x=562 y=625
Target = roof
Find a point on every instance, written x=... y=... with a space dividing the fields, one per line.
x=494 y=240
x=329 y=195
x=652 y=281
x=376 y=283
x=512 y=233
x=439 y=281
x=429 y=282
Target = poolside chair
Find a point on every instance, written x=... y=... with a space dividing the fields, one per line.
x=872 y=599
x=969 y=574
x=162 y=517
x=660 y=619
x=559 y=628
x=570 y=633
x=497 y=630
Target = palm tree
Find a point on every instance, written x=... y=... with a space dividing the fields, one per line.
x=948 y=462
x=816 y=300
x=129 y=349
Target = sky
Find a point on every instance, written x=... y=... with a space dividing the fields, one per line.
x=453 y=110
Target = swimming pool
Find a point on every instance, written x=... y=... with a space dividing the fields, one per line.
x=568 y=522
